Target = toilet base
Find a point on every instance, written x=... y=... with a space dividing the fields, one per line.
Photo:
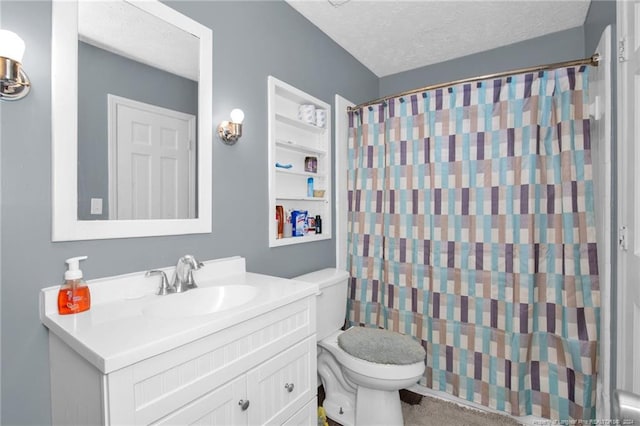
x=373 y=407
x=339 y=412
x=361 y=393
x=378 y=407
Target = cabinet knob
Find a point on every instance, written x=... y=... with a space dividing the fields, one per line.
x=289 y=387
x=243 y=404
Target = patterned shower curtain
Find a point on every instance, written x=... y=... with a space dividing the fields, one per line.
x=471 y=228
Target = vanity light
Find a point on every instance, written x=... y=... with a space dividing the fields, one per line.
x=14 y=83
x=230 y=131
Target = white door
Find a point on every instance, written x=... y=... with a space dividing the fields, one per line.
x=341 y=166
x=152 y=174
x=628 y=312
x=600 y=113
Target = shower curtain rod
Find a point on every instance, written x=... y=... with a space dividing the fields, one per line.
x=593 y=61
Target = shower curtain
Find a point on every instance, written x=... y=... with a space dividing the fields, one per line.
x=471 y=228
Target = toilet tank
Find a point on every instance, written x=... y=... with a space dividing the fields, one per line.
x=331 y=303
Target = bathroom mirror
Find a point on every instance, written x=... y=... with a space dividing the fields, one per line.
x=131 y=81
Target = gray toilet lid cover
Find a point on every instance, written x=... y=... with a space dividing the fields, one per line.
x=381 y=346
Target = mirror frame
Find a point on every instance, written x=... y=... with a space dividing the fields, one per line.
x=64 y=120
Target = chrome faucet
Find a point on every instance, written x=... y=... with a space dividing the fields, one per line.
x=183 y=275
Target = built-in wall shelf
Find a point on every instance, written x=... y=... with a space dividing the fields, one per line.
x=299 y=124
x=306 y=148
x=301 y=198
x=297 y=240
x=293 y=146
x=298 y=173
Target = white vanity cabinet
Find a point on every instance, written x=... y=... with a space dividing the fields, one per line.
x=259 y=371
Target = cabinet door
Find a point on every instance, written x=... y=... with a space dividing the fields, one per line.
x=283 y=385
x=220 y=407
x=307 y=416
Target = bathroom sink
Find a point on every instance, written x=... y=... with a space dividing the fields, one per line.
x=201 y=301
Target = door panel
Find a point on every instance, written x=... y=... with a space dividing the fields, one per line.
x=600 y=113
x=341 y=168
x=628 y=327
x=151 y=175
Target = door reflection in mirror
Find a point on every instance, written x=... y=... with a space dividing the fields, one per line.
x=128 y=53
x=151 y=161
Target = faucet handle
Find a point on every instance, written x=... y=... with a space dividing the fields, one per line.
x=190 y=282
x=190 y=260
x=164 y=288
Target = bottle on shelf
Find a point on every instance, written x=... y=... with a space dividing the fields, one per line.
x=280 y=221
x=298 y=223
x=288 y=231
x=310 y=187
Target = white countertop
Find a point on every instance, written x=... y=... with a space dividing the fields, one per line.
x=114 y=333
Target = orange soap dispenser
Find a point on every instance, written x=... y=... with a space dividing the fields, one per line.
x=74 y=294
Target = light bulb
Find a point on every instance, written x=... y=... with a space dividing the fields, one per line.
x=237 y=116
x=11 y=45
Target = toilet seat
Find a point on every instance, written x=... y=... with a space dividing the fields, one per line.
x=381 y=346
x=365 y=368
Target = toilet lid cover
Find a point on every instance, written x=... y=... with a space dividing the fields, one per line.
x=381 y=346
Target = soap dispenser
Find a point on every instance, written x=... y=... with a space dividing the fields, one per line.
x=73 y=296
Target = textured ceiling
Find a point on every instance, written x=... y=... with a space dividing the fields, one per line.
x=394 y=36
x=126 y=30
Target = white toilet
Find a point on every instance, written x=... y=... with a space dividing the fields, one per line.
x=361 y=369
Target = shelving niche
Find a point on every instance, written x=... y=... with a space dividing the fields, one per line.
x=291 y=140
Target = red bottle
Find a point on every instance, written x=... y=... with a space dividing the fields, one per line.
x=74 y=296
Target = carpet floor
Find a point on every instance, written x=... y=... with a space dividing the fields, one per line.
x=434 y=411
x=437 y=412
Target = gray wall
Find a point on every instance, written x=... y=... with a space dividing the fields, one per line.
x=100 y=73
x=257 y=42
x=551 y=48
x=601 y=13
x=251 y=40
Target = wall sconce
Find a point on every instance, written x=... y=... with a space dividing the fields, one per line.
x=230 y=131
x=14 y=83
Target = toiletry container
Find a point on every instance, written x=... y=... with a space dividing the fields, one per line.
x=280 y=221
x=299 y=223
x=74 y=296
x=310 y=187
